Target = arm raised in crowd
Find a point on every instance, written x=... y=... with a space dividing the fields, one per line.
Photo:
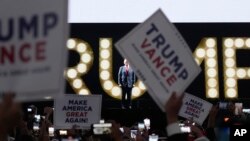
x=10 y=115
x=211 y=123
x=198 y=133
x=44 y=135
x=172 y=108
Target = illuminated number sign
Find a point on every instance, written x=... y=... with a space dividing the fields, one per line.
x=206 y=51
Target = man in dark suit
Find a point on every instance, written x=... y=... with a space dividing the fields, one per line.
x=126 y=80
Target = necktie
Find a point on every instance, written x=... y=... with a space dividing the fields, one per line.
x=127 y=70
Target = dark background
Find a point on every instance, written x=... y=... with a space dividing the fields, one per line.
x=192 y=33
x=145 y=106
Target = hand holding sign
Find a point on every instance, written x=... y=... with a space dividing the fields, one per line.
x=195 y=108
x=196 y=131
x=212 y=116
x=173 y=106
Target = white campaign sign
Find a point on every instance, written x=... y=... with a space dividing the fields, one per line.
x=33 y=55
x=160 y=57
x=195 y=108
x=78 y=110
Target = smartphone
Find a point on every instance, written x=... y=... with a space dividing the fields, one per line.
x=38 y=118
x=185 y=129
x=141 y=126
x=121 y=129
x=51 y=131
x=223 y=105
x=246 y=111
x=102 y=128
x=63 y=132
x=153 y=137
x=43 y=117
x=29 y=110
x=133 y=134
x=36 y=127
x=238 y=108
x=101 y=121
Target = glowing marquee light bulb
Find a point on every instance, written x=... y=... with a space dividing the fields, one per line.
x=241 y=73
x=230 y=82
x=211 y=72
x=77 y=83
x=105 y=75
x=212 y=92
x=81 y=68
x=229 y=52
x=141 y=85
x=212 y=82
x=231 y=93
x=86 y=58
x=136 y=91
x=81 y=47
x=116 y=91
x=108 y=85
x=105 y=64
x=105 y=43
x=71 y=73
x=210 y=42
x=211 y=62
x=71 y=43
x=210 y=52
x=200 y=53
x=230 y=72
x=229 y=42
x=105 y=54
x=247 y=42
x=230 y=62
x=83 y=92
x=239 y=42
x=248 y=72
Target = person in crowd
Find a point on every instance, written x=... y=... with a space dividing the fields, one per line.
x=126 y=80
x=235 y=115
x=22 y=132
x=45 y=124
x=172 y=108
x=13 y=128
x=211 y=123
x=30 y=117
x=10 y=116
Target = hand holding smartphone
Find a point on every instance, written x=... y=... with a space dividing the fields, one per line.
x=238 y=108
x=102 y=128
x=133 y=134
x=141 y=126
